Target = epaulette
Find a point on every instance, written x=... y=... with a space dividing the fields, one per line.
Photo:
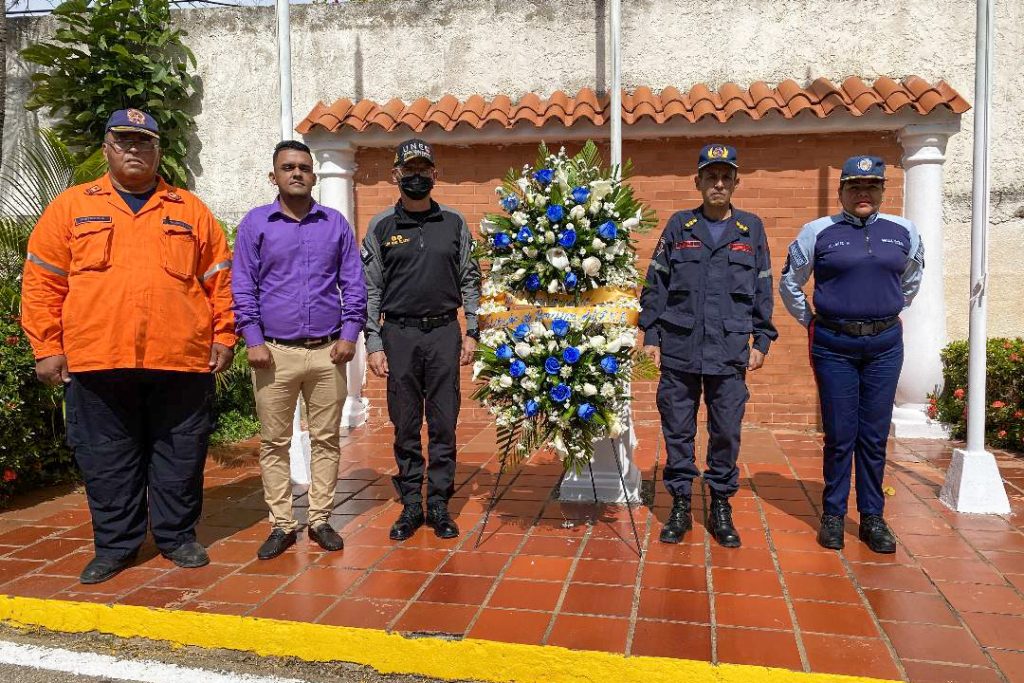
x=744 y=229
x=690 y=223
x=173 y=196
x=95 y=189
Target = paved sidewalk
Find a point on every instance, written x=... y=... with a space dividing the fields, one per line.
x=949 y=606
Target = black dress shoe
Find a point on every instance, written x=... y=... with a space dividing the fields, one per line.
x=277 y=542
x=440 y=521
x=408 y=522
x=720 y=523
x=830 y=535
x=326 y=537
x=102 y=569
x=189 y=555
x=876 y=533
x=679 y=521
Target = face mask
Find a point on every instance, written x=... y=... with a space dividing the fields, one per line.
x=416 y=186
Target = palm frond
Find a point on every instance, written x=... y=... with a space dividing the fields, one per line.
x=643 y=366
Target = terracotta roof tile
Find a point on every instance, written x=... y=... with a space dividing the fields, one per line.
x=788 y=99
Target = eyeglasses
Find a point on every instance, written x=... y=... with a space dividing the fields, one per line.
x=139 y=145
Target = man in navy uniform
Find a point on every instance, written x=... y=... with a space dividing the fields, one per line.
x=709 y=290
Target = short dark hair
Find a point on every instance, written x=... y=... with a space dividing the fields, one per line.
x=290 y=144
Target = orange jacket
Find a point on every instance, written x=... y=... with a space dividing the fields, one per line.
x=112 y=289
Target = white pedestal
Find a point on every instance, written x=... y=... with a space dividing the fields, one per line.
x=973 y=484
x=579 y=489
x=911 y=421
x=299 y=454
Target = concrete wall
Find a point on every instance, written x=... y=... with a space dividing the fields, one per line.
x=427 y=48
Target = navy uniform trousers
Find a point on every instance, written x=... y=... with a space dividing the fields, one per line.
x=857 y=379
x=140 y=439
x=423 y=370
x=679 y=396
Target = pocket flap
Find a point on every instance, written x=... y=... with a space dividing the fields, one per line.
x=738 y=325
x=683 y=320
x=742 y=257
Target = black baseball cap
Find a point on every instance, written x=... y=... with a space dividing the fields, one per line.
x=413 y=149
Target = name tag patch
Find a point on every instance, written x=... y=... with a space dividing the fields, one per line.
x=740 y=246
x=179 y=224
x=92 y=219
x=396 y=240
x=688 y=244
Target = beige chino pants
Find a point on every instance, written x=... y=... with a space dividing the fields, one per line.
x=322 y=384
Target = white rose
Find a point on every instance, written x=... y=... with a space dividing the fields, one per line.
x=598 y=244
x=519 y=218
x=597 y=343
x=577 y=212
x=523 y=349
x=537 y=327
x=531 y=252
x=549 y=237
x=553 y=287
x=557 y=257
x=519 y=273
x=589 y=389
x=591 y=266
x=478 y=367
x=505 y=381
x=613 y=346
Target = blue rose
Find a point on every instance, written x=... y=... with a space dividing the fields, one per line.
x=531 y=408
x=560 y=393
x=608 y=231
x=571 y=355
x=504 y=352
x=525 y=235
x=522 y=329
x=560 y=327
x=570 y=280
x=544 y=176
x=510 y=203
x=567 y=238
x=502 y=241
x=517 y=369
x=555 y=213
x=552 y=366
x=580 y=194
x=586 y=411
x=532 y=282
x=610 y=365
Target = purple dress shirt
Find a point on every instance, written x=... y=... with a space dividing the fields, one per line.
x=297 y=279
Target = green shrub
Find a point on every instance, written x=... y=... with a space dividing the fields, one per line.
x=32 y=449
x=234 y=408
x=1004 y=414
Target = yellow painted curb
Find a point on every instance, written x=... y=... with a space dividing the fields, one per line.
x=388 y=653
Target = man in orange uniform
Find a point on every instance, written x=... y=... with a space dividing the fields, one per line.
x=126 y=300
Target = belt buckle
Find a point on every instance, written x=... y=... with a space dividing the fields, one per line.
x=310 y=343
x=424 y=325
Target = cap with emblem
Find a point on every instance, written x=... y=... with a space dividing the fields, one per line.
x=133 y=121
x=717 y=154
x=413 y=149
x=867 y=167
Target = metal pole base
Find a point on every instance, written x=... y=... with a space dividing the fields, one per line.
x=973 y=484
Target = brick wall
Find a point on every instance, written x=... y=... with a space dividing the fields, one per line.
x=787 y=180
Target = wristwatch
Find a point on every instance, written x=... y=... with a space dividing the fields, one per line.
x=473 y=334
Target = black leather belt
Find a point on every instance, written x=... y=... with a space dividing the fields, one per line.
x=308 y=342
x=857 y=328
x=426 y=324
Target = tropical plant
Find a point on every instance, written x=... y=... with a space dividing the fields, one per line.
x=112 y=54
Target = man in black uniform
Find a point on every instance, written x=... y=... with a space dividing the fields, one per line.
x=709 y=288
x=417 y=258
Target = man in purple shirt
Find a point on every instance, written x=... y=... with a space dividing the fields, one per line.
x=300 y=303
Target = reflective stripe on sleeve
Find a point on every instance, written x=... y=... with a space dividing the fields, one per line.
x=216 y=268
x=765 y=273
x=47 y=266
x=659 y=267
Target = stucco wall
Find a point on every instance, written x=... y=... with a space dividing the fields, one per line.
x=416 y=48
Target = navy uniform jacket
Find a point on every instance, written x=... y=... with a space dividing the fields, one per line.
x=864 y=268
x=703 y=301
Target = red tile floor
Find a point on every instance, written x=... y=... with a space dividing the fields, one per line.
x=948 y=606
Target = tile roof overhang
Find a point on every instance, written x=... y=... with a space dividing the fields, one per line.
x=644 y=110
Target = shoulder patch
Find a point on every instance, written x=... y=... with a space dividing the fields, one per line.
x=365 y=254
x=659 y=249
x=95 y=189
x=919 y=255
x=173 y=196
x=797 y=257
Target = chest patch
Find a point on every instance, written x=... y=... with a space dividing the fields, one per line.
x=396 y=240
x=179 y=224
x=688 y=244
x=740 y=246
x=92 y=219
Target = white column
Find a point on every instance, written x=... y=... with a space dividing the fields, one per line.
x=924 y=323
x=336 y=175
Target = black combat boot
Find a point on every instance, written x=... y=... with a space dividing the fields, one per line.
x=720 y=522
x=830 y=534
x=679 y=520
x=408 y=522
x=875 y=532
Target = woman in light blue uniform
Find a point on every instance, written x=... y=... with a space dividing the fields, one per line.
x=867 y=267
